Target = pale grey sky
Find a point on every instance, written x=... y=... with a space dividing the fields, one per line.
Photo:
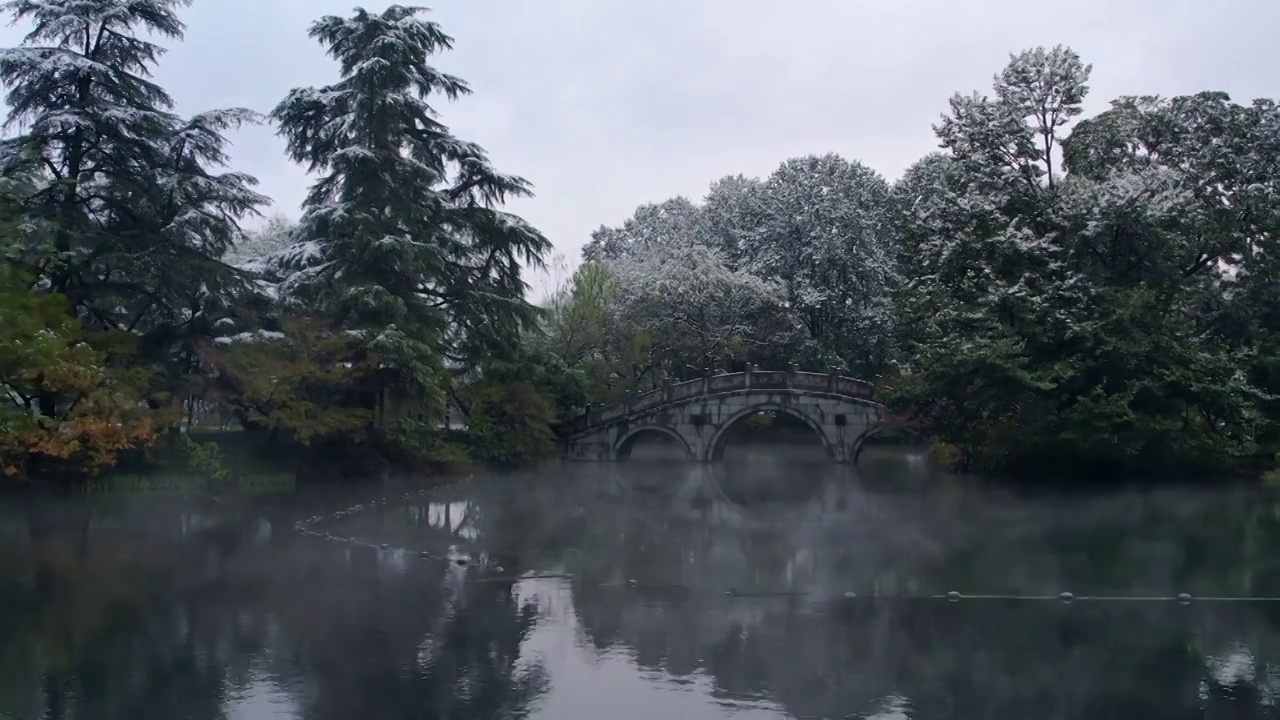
x=607 y=104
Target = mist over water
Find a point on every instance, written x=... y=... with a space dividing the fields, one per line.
x=771 y=585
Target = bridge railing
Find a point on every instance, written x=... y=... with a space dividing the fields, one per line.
x=711 y=384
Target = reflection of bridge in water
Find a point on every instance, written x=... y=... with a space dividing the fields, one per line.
x=696 y=414
x=735 y=529
x=706 y=494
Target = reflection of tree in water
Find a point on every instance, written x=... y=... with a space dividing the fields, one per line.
x=338 y=632
x=158 y=613
x=83 y=626
x=739 y=493
x=972 y=659
x=975 y=658
x=426 y=642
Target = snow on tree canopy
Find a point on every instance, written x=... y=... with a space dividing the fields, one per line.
x=249 y=337
x=404 y=213
x=692 y=306
x=133 y=195
x=820 y=228
x=1068 y=290
x=676 y=222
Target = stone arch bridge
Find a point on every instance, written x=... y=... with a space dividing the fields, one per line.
x=696 y=414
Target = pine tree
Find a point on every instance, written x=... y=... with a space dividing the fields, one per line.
x=401 y=238
x=127 y=216
x=405 y=215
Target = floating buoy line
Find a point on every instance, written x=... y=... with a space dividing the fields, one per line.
x=307 y=526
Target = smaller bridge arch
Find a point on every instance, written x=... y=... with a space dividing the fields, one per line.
x=889 y=423
x=841 y=410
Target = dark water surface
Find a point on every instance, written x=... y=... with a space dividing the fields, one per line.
x=764 y=587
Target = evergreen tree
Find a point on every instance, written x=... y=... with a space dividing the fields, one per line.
x=401 y=240
x=126 y=216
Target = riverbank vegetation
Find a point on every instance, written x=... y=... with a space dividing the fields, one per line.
x=1048 y=294
x=1049 y=290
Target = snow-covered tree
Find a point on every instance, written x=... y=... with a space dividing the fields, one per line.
x=920 y=202
x=825 y=233
x=1073 y=317
x=1177 y=197
x=402 y=237
x=819 y=228
x=986 y=292
x=733 y=212
x=128 y=213
x=697 y=314
x=259 y=248
x=673 y=223
x=125 y=183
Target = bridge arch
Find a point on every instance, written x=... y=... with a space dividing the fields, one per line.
x=715 y=448
x=697 y=412
x=622 y=447
x=881 y=427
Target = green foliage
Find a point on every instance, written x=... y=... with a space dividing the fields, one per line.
x=579 y=329
x=575 y=323
x=513 y=404
x=300 y=382
x=1104 y=299
x=447 y=456
x=206 y=457
x=945 y=456
x=1077 y=321
x=509 y=423
x=564 y=387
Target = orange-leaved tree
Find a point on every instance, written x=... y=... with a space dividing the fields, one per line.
x=66 y=408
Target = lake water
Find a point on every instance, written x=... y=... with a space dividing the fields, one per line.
x=768 y=586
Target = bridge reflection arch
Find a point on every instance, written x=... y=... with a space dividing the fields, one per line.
x=710 y=495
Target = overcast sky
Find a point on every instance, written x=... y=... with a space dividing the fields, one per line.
x=607 y=104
